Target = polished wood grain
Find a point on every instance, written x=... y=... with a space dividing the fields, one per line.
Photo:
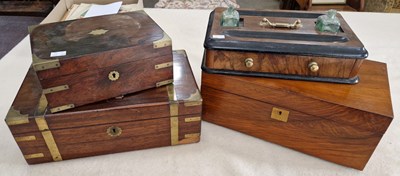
x=125 y=47
x=144 y=118
x=336 y=122
x=281 y=63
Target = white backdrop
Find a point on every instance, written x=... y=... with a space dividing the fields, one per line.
x=221 y=151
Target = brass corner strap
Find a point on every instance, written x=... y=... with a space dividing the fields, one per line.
x=14 y=117
x=163 y=42
x=174 y=120
x=44 y=64
x=48 y=138
x=194 y=99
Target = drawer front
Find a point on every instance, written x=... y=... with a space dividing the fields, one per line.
x=109 y=138
x=282 y=64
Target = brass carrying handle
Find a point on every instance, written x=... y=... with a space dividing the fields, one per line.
x=296 y=25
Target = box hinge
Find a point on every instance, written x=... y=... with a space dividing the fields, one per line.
x=280 y=114
x=62 y=108
x=194 y=99
x=25 y=138
x=14 y=117
x=55 y=89
x=35 y=155
x=163 y=65
x=163 y=42
x=192 y=119
x=162 y=83
x=48 y=138
x=44 y=64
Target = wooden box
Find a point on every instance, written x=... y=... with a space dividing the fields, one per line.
x=84 y=61
x=340 y=123
x=256 y=49
x=164 y=116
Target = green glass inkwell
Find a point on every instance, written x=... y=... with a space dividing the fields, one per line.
x=328 y=22
x=230 y=17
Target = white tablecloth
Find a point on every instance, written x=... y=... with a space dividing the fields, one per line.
x=221 y=151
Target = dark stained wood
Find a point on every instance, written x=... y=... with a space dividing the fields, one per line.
x=26 y=8
x=269 y=60
x=126 y=47
x=144 y=118
x=336 y=122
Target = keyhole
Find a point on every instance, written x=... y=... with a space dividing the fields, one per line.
x=113 y=75
x=280 y=112
x=114 y=131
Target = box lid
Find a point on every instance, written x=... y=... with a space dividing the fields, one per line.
x=250 y=36
x=28 y=104
x=54 y=43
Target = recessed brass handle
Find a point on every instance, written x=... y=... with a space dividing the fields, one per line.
x=114 y=131
x=113 y=76
x=313 y=66
x=248 y=62
x=266 y=23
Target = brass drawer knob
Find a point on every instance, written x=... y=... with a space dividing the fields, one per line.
x=113 y=75
x=114 y=131
x=313 y=66
x=248 y=62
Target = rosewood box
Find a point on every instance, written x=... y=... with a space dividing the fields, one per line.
x=88 y=60
x=340 y=123
x=163 y=116
x=257 y=49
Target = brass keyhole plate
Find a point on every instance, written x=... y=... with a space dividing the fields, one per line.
x=113 y=76
x=280 y=114
x=114 y=131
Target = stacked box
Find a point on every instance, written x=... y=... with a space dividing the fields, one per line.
x=341 y=123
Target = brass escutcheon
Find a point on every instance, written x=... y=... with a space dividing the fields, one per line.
x=313 y=66
x=114 y=131
x=248 y=62
x=113 y=75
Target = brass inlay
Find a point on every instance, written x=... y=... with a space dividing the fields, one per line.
x=248 y=62
x=266 y=23
x=44 y=64
x=98 y=32
x=174 y=121
x=48 y=138
x=194 y=99
x=192 y=135
x=35 y=155
x=25 y=138
x=42 y=105
x=14 y=117
x=62 y=108
x=114 y=131
x=174 y=112
x=280 y=114
x=163 y=42
x=55 y=89
x=163 y=65
x=162 y=83
x=313 y=66
x=192 y=119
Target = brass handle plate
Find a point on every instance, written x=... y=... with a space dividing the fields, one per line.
x=113 y=76
x=248 y=62
x=114 y=131
x=313 y=66
x=266 y=23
